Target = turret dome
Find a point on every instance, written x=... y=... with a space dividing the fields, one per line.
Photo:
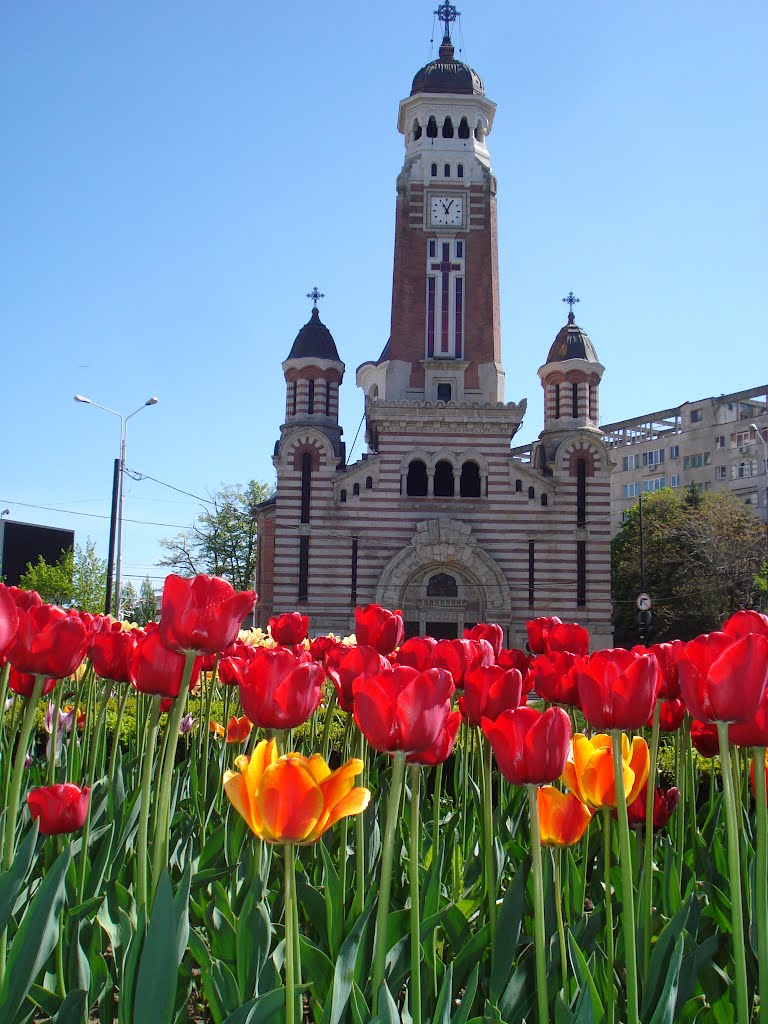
x=572 y=343
x=314 y=340
x=447 y=75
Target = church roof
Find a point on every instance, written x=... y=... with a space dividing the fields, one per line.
x=448 y=75
x=314 y=339
x=572 y=343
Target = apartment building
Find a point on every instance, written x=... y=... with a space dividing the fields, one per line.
x=714 y=443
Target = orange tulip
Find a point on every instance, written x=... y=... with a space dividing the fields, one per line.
x=216 y=729
x=293 y=799
x=589 y=771
x=563 y=818
x=238 y=729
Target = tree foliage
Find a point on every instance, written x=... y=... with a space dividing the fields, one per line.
x=77 y=580
x=223 y=540
x=702 y=554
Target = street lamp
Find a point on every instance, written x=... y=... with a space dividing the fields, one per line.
x=756 y=429
x=116 y=518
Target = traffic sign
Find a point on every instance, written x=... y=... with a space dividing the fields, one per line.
x=644 y=602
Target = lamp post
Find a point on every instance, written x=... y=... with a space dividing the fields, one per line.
x=756 y=429
x=116 y=518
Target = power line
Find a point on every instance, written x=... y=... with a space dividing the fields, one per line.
x=134 y=474
x=90 y=515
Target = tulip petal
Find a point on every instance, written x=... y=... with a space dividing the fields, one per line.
x=354 y=802
x=640 y=763
x=237 y=793
x=289 y=801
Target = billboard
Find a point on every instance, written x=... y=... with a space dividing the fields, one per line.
x=22 y=543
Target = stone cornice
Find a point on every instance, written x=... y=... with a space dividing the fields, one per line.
x=448 y=417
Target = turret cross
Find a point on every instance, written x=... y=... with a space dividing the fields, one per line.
x=570 y=298
x=315 y=295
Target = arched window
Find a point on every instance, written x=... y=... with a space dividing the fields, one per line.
x=544 y=501
x=531 y=493
x=442 y=585
x=460 y=170
x=447 y=128
x=443 y=392
x=575 y=400
x=306 y=485
x=433 y=170
x=432 y=128
x=447 y=171
x=293 y=394
x=416 y=481
x=356 y=490
x=416 y=130
x=311 y=397
x=343 y=496
x=581 y=492
x=518 y=486
x=443 y=479
x=469 y=482
x=369 y=483
x=557 y=401
x=463 y=129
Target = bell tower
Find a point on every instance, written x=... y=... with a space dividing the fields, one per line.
x=445 y=340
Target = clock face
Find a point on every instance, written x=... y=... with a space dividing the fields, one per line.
x=447 y=210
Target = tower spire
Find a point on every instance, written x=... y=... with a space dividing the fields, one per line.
x=571 y=299
x=447 y=14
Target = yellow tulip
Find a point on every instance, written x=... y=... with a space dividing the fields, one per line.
x=589 y=770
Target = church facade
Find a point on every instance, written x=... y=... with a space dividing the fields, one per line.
x=441 y=517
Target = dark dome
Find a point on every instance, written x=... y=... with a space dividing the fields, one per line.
x=315 y=340
x=572 y=343
x=448 y=75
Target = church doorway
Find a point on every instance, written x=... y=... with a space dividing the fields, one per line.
x=442 y=630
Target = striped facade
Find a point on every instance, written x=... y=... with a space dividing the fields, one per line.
x=441 y=517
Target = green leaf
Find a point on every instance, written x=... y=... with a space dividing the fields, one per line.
x=662 y=951
x=99 y=865
x=253 y=941
x=316 y=968
x=156 y=983
x=344 y=971
x=388 y=1013
x=334 y=902
x=36 y=938
x=444 y=1000
x=508 y=927
x=264 y=1009
x=665 y=1008
x=471 y=954
x=460 y=1017
x=12 y=880
x=584 y=976
x=73 y=1009
x=360 y=1012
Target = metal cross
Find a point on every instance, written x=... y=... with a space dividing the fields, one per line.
x=570 y=298
x=447 y=13
x=315 y=295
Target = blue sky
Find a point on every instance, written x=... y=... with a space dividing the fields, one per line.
x=176 y=176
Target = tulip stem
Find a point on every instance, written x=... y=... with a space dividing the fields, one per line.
x=360 y=845
x=5 y=672
x=385 y=882
x=162 y=821
x=557 y=857
x=415 y=774
x=647 y=879
x=290 y=899
x=435 y=847
x=609 y=941
x=760 y=910
x=146 y=793
x=538 y=907
x=93 y=751
x=328 y=722
x=116 y=733
x=14 y=795
x=734 y=871
x=488 y=852
x=627 y=887
x=51 y=773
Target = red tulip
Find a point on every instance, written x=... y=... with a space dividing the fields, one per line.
x=203 y=614
x=530 y=747
x=23 y=683
x=671 y=715
x=48 y=642
x=551 y=677
x=666 y=655
x=238 y=729
x=459 y=657
x=289 y=629
x=746 y=621
x=489 y=691
x=704 y=738
x=417 y=652
x=402 y=708
x=538 y=632
x=567 y=638
x=111 y=654
x=664 y=803
x=511 y=657
x=9 y=619
x=378 y=627
x=230 y=671
x=563 y=818
x=617 y=688
x=722 y=679
x=346 y=665
x=489 y=631
x=320 y=646
x=753 y=733
x=443 y=746
x=279 y=690
x=59 y=809
x=157 y=670
x=25 y=599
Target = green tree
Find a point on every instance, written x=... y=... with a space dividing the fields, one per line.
x=130 y=602
x=77 y=580
x=146 y=610
x=702 y=553
x=222 y=542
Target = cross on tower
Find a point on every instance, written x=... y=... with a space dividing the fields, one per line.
x=315 y=295
x=444 y=267
x=570 y=298
x=447 y=13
